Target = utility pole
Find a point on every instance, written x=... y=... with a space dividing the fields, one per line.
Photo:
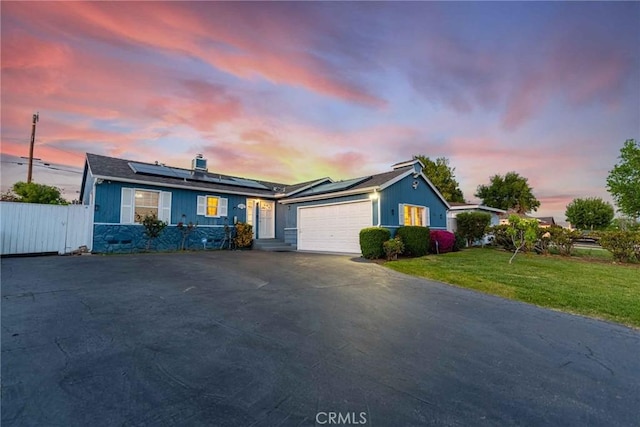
x=36 y=118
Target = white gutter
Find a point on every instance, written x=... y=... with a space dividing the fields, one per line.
x=329 y=195
x=185 y=187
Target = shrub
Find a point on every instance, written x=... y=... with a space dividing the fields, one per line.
x=624 y=245
x=415 y=238
x=473 y=225
x=500 y=237
x=543 y=243
x=460 y=242
x=152 y=228
x=563 y=239
x=442 y=241
x=393 y=248
x=185 y=230
x=371 y=241
x=244 y=235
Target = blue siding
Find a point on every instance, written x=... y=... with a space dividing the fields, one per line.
x=183 y=204
x=281 y=220
x=403 y=192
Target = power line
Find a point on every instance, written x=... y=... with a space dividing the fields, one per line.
x=47 y=166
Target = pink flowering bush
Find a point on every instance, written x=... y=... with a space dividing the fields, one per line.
x=442 y=241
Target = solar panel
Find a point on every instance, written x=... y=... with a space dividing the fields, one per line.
x=157 y=170
x=334 y=186
x=249 y=183
x=160 y=170
x=182 y=173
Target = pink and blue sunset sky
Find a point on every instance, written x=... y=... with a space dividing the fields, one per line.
x=296 y=91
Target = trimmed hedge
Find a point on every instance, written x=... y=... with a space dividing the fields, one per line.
x=442 y=241
x=473 y=225
x=624 y=245
x=371 y=241
x=415 y=238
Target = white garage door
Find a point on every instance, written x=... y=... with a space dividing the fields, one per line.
x=333 y=228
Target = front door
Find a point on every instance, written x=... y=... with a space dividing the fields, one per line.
x=261 y=215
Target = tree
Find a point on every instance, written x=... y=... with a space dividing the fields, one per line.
x=592 y=213
x=509 y=192
x=35 y=193
x=443 y=177
x=623 y=181
x=472 y=225
x=523 y=233
x=153 y=227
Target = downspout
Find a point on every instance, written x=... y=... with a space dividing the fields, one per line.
x=92 y=206
x=379 y=209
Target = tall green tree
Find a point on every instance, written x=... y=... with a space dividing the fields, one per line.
x=443 y=177
x=623 y=181
x=510 y=191
x=591 y=213
x=36 y=193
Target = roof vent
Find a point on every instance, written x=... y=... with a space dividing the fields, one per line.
x=199 y=163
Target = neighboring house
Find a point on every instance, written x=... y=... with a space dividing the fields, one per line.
x=457 y=208
x=546 y=221
x=319 y=215
x=543 y=221
x=504 y=217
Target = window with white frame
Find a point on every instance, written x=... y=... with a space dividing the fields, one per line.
x=212 y=206
x=413 y=215
x=138 y=203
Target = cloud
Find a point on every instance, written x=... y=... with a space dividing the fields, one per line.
x=277 y=47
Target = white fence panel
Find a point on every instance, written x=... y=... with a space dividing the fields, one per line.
x=33 y=228
x=79 y=227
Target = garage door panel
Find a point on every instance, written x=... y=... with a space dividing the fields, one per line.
x=333 y=228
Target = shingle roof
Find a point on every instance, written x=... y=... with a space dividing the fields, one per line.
x=111 y=167
x=119 y=169
x=364 y=182
x=546 y=219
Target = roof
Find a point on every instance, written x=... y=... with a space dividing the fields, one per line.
x=355 y=184
x=546 y=220
x=457 y=206
x=111 y=168
x=120 y=169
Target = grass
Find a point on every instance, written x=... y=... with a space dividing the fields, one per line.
x=576 y=285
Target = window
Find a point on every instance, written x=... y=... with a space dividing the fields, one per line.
x=135 y=204
x=413 y=215
x=212 y=206
x=146 y=203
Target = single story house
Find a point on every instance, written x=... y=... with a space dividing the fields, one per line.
x=543 y=221
x=319 y=215
x=546 y=221
x=457 y=208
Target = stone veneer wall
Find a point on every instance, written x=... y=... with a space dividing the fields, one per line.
x=131 y=238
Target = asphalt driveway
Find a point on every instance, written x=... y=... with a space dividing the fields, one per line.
x=265 y=339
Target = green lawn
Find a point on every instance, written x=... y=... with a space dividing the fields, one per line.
x=596 y=289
